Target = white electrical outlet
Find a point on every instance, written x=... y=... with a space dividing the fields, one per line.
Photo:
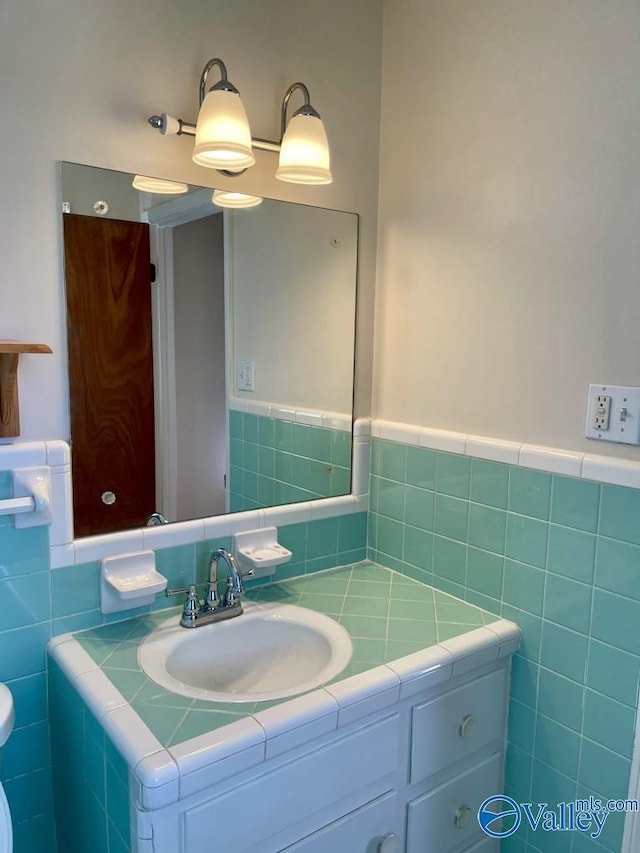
x=613 y=414
x=246 y=376
x=602 y=414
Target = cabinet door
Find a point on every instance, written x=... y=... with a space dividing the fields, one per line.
x=456 y=724
x=362 y=831
x=446 y=817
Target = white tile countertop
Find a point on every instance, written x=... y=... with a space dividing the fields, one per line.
x=407 y=637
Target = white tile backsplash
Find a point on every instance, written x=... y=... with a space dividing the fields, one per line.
x=405 y=433
x=493 y=449
x=552 y=460
x=108 y=545
x=330 y=507
x=440 y=439
x=620 y=472
x=170 y=535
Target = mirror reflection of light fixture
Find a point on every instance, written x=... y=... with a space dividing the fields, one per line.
x=224 y=141
x=228 y=198
x=158 y=186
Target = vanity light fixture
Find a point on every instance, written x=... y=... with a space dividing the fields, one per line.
x=223 y=139
x=158 y=186
x=228 y=198
x=304 y=148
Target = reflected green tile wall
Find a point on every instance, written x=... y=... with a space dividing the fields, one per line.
x=273 y=461
x=37 y=603
x=561 y=557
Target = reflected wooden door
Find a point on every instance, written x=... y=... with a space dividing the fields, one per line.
x=107 y=271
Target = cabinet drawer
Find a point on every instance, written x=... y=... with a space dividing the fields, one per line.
x=446 y=817
x=358 y=832
x=297 y=792
x=454 y=725
x=488 y=845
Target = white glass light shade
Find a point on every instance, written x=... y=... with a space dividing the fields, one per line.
x=227 y=198
x=304 y=155
x=223 y=138
x=158 y=185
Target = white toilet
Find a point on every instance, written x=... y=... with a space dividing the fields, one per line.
x=7 y=718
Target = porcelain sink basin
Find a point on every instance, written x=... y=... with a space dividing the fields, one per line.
x=7 y=714
x=271 y=651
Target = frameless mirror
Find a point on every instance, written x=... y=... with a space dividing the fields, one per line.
x=211 y=352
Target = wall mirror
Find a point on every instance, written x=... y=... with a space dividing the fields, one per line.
x=211 y=351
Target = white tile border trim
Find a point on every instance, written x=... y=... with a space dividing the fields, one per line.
x=65 y=551
x=570 y=463
x=280 y=411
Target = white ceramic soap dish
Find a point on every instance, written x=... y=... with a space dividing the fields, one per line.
x=129 y=580
x=260 y=551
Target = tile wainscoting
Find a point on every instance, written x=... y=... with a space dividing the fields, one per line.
x=37 y=602
x=559 y=555
x=519 y=531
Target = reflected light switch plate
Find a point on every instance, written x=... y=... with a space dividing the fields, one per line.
x=246 y=374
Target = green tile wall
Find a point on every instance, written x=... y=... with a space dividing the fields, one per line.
x=273 y=461
x=88 y=772
x=25 y=629
x=558 y=555
x=37 y=603
x=561 y=557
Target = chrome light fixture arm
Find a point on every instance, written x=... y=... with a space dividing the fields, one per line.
x=223 y=83
x=305 y=110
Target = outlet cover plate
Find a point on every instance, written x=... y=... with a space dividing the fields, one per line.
x=624 y=414
x=246 y=375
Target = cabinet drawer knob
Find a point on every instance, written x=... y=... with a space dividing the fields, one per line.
x=462 y=817
x=387 y=844
x=468 y=726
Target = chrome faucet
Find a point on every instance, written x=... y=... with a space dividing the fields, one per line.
x=212 y=609
x=234 y=581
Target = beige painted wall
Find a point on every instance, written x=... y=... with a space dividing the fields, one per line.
x=78 y=79
x=201 y=409
x=509 y=249
x=292 y=296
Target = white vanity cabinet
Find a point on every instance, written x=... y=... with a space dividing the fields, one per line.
x=409 y=777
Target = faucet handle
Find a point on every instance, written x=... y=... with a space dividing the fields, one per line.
x=211 y=599
x=191 y=606
x=233 y=591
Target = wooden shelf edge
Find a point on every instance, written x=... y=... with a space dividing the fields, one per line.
x=7 y=347
x=9 y=407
